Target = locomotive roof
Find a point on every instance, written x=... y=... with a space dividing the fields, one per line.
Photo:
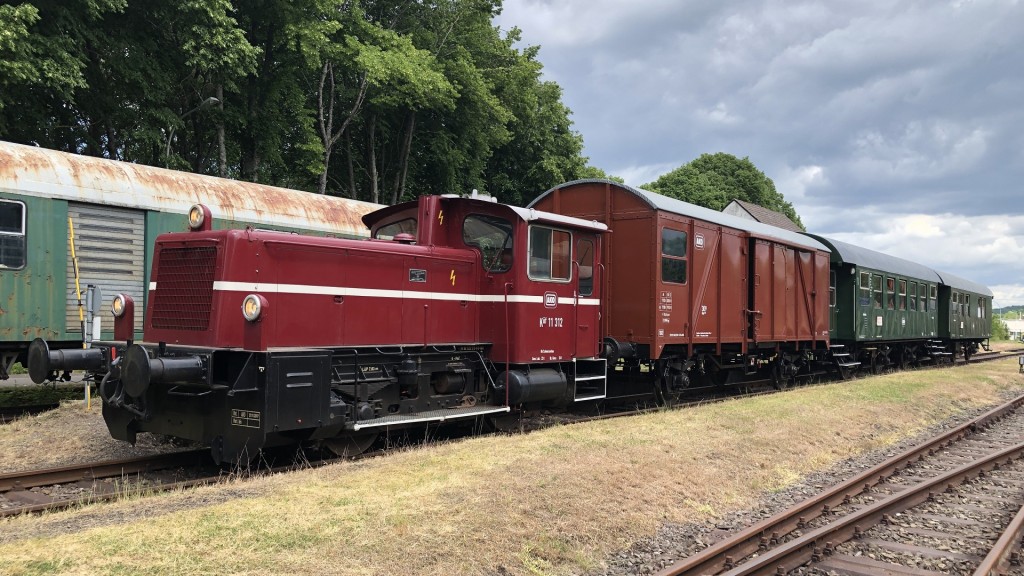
x=660 y=202
x=850 y=254
x=46 y=173
x=959 y=283
x=526 y=214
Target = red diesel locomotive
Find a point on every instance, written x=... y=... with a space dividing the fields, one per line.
x=457 y=307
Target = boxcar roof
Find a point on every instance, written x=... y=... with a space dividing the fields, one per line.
x=34 y=171
x=963 y=284
x=850 y=254
x=660 y=202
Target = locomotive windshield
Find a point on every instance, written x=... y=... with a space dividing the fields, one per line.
x=492 y=237
x=389 y=231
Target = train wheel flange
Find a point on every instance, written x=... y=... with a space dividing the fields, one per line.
x=350 y=445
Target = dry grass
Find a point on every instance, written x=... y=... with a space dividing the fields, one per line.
x=66 y=435
x=553 y=502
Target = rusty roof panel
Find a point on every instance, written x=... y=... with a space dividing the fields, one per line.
x=51 y=174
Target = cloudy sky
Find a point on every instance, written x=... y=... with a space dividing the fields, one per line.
x=895 y=125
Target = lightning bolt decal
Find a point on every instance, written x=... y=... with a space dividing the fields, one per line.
x=452 y=276
x=440 y=217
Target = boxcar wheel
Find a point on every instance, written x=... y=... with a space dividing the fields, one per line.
x=350 y=445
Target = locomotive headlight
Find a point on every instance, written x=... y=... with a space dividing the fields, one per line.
x=118 y=305
x=251 y=307
x=196 y=217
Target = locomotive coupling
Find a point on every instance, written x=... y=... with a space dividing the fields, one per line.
x=42 y=361
x=138 y=370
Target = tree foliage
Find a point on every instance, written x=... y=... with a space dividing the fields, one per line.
x=373 y=99
x=1000 y=331
x=715 y=180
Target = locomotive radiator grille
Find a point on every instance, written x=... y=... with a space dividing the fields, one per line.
x=184 y=293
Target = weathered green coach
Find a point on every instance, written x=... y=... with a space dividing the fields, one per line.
x=116 y=210
x=965 y=310
x=890 y=311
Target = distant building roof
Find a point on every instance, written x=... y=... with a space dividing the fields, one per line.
x=761 y=214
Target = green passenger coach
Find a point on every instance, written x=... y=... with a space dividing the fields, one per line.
x=890 y=311
x=965 y=311
x=116 y=210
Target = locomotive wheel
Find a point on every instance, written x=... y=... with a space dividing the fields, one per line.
x=350 y=445
x=507 y=422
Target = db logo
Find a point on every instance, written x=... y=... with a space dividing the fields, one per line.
x=698 y=241
x=550 y=299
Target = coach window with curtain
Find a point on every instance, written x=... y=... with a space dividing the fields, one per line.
x=673 y=256
x=12 y=234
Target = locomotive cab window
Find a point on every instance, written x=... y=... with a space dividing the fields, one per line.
x=492 y=236
x=673 y=256
x=12 y=234
x=389 y=231
x=586 y=264
x=550 y=254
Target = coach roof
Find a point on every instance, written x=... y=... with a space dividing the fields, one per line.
x=963 y=284
x=664 y=203
x=850 y=254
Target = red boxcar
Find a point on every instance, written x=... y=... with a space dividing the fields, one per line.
x=702 y=293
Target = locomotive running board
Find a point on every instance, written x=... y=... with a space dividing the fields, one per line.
x=429 y=416
x=590 y=379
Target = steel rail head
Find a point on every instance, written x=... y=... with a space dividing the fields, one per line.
x=712 y=560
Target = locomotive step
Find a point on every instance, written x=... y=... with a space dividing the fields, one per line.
x=847 y=364
x=429 y=416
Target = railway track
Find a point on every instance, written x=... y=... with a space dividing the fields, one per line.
x=950 y=505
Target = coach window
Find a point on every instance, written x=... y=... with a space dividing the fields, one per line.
x=890 y=292
x=389 y=231
x=673 y=256
x=492 y=237
x=876 y=287
x=832 y=288
x=865 y=289
x=933 y=296
x=550 y=254
x=913 y=297
x=903 y=295
x=954 y=306
x=12 y=234
x=922 y=302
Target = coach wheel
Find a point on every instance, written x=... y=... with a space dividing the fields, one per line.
x=784 y=373
x=672 y=383
x=968 y=351
x=350 y=445
x=907 y=358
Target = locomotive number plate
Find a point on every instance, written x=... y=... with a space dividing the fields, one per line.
x=245 y=418
x=417 y=275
